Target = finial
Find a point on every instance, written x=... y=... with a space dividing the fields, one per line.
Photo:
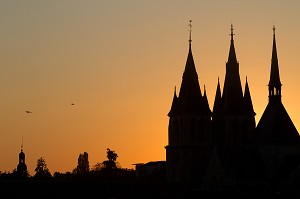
x=190 y=25
x=22 y=144
x=204 y=89
x=218 y=79
x=231 y=33
x=175 y=89
x=274 y=30
x=246 y=79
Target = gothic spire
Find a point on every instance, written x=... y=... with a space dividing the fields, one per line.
x=190 y=76
x=232 y=96
x=274 y=83
x=232 y=55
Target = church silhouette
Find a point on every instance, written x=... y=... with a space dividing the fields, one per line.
x=224 y=146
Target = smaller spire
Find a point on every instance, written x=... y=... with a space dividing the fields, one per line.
x=248 y=105
x=217 y=102
x=173 y=109
x=190 y=30
x=274 y=30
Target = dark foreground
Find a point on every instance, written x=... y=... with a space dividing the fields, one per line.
x=134 y=190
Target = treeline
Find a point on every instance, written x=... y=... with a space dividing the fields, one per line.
x=108 y=170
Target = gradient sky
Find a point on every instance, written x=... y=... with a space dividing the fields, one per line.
x=118 y=62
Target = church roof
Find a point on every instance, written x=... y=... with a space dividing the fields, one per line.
x=190 y=100
x=275 y=127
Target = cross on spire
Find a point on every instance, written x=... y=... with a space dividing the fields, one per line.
x=190 y=25
x=231 y=33
x=274 y=30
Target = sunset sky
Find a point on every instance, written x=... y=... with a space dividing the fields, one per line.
x=118 y=62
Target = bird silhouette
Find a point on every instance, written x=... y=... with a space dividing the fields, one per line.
x=28 y=111
x=72 y=104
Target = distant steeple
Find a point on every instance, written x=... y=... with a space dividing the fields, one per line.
x=21 y=154
x=274 y=83
x=22 y=167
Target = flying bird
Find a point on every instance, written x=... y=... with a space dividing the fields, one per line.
x=72 y=104
x=28 y=111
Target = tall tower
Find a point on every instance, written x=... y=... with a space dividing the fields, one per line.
x=188 y=146
x=275 y=127
x=233 y=114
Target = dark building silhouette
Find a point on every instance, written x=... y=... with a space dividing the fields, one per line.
x=189 y=128
x=233 y=115
x=224 y=146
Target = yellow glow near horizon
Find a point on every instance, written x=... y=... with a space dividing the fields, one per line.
x=118 y=62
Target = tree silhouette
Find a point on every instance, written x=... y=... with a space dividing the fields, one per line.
x=41 y=169
x=83 y=166
x=112 y=158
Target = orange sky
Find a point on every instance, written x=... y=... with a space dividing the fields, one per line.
x=118 y=62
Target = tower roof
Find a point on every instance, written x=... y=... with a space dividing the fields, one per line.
x=190 y=100
x=275 y=127
x=232 y=91
x=274 y=74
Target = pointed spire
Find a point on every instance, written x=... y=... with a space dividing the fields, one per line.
x=274 y=83
x=216 y=108
x=206 y=104
x=232 y=55
x=248 y=101
x=190 y=76
x=174 y=104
